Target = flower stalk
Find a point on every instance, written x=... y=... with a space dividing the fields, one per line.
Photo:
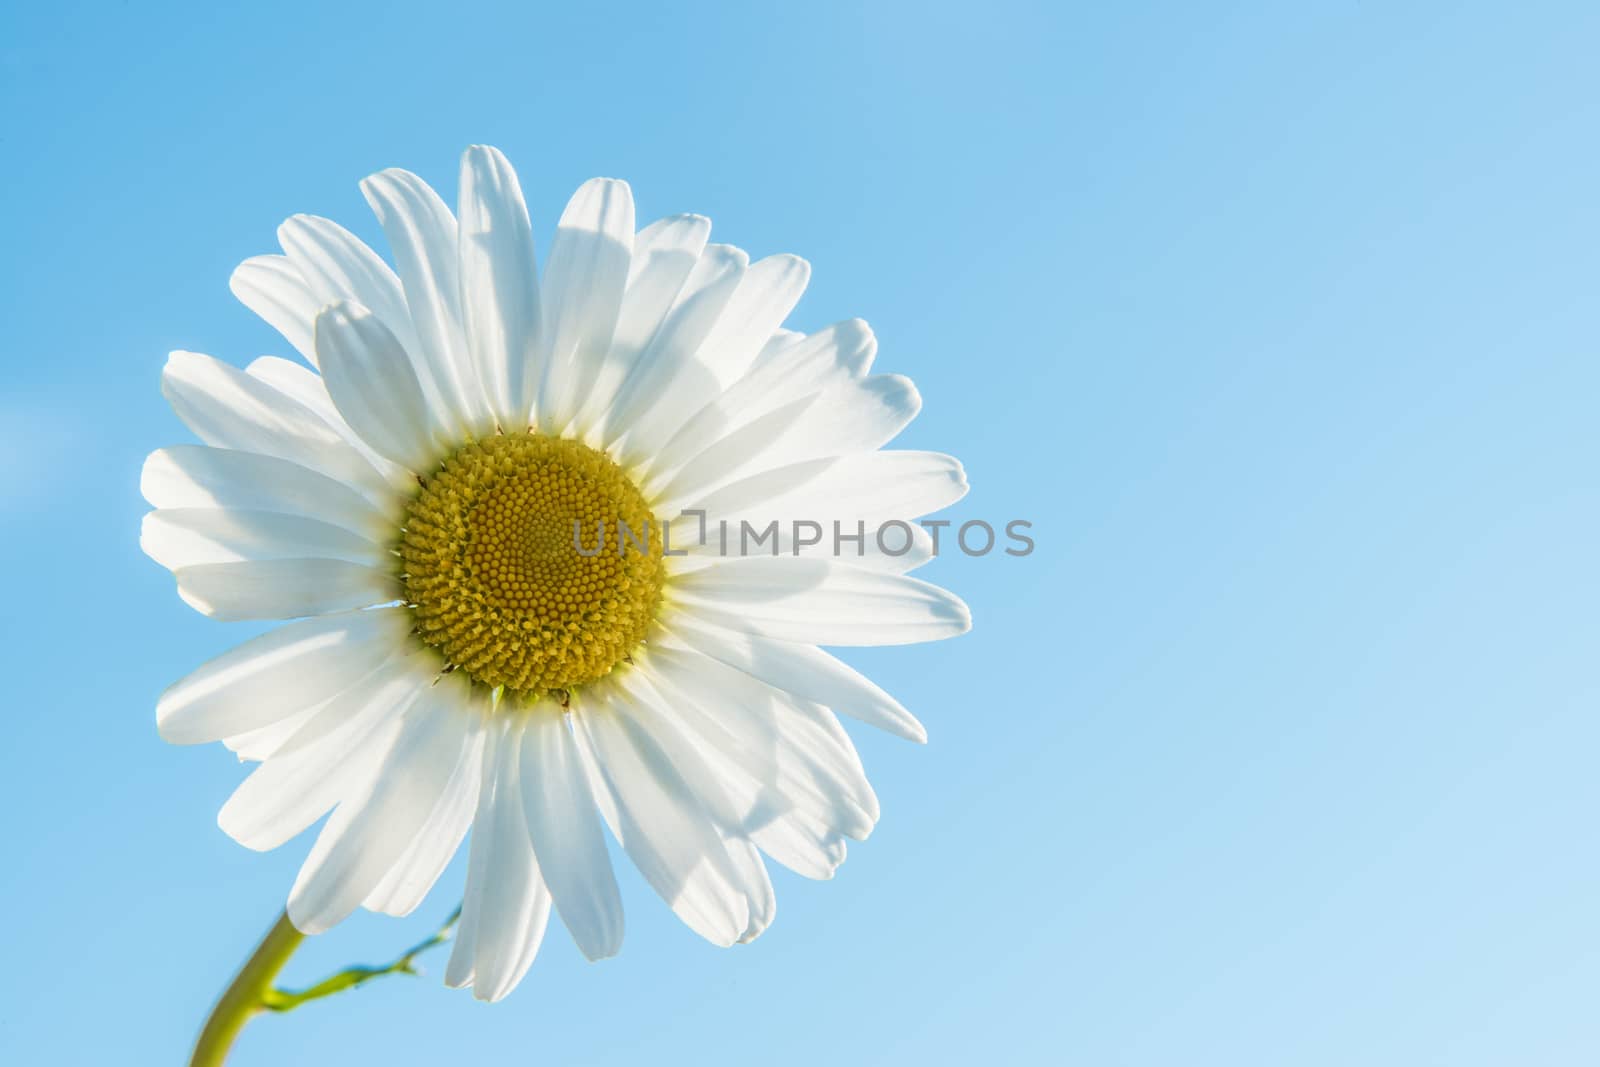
x=246 y=994
x=252 y=990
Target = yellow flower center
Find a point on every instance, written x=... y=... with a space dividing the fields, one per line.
x=499 y=582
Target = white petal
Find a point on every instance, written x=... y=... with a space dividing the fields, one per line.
x=732 y=453
x=329 y=759
x=367 y=835
x=283 y=588
x=667 y=384
x=767 y=293
x=870 y=486
x=821 y=602
x=661 y=825
x=373 y=383
x=831 y=357
x=279 y=674
x=877 y=486
x=850 y=416
x=903 y=554
x=411 y=879
x=796 y=835
x=194 y=476
x=307 y=388
x=565 y=828
x=752 y=494
x=807 y=672
x=780 y=341
x=894 y=547
x=338 y=266
x=422 y=235
x=858 y=416
x=499 y=284
x=664 y=254
x=184 y=537
x=736 y=869
x=271 y=287
x=228 y=408
x=766 y=736
x=262 y=742
x=301 y=384
x=875 y=495
x=581 y=294
x=757 y=883
x=506 y=906
x=797 y=839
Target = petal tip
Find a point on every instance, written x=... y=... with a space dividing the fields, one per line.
x=599 y=955
x=960 y=615
x=149 y=471
x=310 y=925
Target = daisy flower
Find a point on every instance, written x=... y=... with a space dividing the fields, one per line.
x=463 y=504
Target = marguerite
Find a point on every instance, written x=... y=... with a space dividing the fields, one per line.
x=459 y=660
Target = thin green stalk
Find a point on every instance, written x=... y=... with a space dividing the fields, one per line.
x=252 y=991
x=246 y=994
x=352 y=977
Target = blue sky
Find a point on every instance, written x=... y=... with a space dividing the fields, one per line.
x=1277 y=321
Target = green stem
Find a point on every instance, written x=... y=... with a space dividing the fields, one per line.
x=252 y=991
x=352 y=977
x=246 y=995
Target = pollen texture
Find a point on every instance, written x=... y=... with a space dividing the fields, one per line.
x=497 y=581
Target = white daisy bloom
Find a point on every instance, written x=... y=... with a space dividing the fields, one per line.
x=456 y=663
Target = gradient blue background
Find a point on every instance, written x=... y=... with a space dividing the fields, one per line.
x=1278 y=321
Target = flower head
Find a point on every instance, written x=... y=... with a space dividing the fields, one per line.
x=472 y=504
